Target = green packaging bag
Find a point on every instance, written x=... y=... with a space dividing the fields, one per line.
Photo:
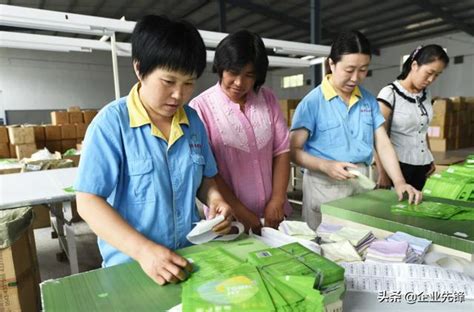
x=239 y=289
x=426 y=209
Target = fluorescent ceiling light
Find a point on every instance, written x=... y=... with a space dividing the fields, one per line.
x=424 y=23
x=83 y=24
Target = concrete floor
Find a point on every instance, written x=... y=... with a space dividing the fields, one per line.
x=87 y=250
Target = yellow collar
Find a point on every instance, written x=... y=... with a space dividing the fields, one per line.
x=329 y=92
x=139 y=117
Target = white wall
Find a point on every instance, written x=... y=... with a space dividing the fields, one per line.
x=34 y=80
x=56 y=80
x=456 y=80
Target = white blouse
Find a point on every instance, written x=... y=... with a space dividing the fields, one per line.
x=411 y=118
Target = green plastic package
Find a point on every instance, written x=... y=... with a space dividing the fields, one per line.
x=433 y=210
x=239 y=289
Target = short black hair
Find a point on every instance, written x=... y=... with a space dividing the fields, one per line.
x=239 y=49
x=424 y=55
x=158 y=42
x=349 y=42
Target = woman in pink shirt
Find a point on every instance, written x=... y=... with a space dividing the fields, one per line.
x=247 y=133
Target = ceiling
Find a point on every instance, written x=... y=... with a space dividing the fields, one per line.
x=385 y=23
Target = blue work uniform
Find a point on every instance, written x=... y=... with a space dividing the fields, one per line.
x=151 y=182
x=338 y=131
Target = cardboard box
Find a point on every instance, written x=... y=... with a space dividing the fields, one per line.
x=74 y=109
x=4 y=150
x=38 y=132
x=52 y=132
x=59 y=118
x=68 y=132
x=75 y=117
x=442 y=119
x=21 y=135
x=442 y=106
x=441 y=145
x=458 y=103
x=67 y=144
x=89 y=115
x=41 y=217
x=19 y=275
x=81 y=130
x=286 y=106
x=40 y=144
x=12 y=151
x=54 y=146
x=25 y=150
x=4 y=135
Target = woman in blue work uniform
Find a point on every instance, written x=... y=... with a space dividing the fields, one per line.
x=335 y=127
x=146 y=157
x=406 y=105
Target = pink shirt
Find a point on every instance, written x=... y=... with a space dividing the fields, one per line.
x=245 y=143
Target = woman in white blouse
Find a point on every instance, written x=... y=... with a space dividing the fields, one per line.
x=407 y=109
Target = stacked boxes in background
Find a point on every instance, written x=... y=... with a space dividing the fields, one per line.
x=23 y=141
x=52 y=137
x=66 y=131
x=72 y=127
x=452 y=126
x=288 y=108
x=4 y=143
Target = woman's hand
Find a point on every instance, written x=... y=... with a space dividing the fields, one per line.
x=274 y=213
x=222 y=208
x=337 y=169
x=414 y=196
x=163 y=265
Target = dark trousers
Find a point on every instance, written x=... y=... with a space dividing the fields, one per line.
x=415 y=175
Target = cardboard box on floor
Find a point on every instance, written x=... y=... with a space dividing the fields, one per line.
x=25 y=150
x=286 y=107
x=19 y=275
x=89 y=115
x=52 y=132
x=59 y=118
x=4 y=135
x=41 y=217
x=75 y=117
x=21 y=135
x=4 y=150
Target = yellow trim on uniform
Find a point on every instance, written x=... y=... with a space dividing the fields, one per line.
x=139 y=117
x=329 y=92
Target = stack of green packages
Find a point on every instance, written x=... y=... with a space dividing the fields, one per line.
x=434 y=210
x=297 y=266
x=456 y=183
x=289 y=278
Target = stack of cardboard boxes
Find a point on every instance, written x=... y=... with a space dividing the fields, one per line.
x=288 y=108
x=22 y=141
x=4 y=143
x=72 y=125
x=66 y=131
x=452 y=126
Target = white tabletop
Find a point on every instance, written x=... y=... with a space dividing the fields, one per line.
x=38 y=187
